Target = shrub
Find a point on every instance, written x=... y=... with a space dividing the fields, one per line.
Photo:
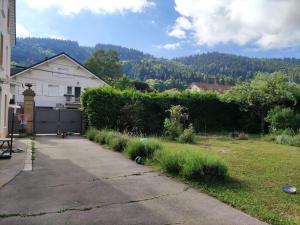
x=100 y=137
x=288 y=131
x=172 y=130
x=192 y=164
x=171 y=161
x=188 y=135
x=295 y=141
x=242 y=136
x=282 y=118
x=142 y=147
x=118 y=143
x=283 y=139
x=288 y=140
x=91 y=133
x=109 y=135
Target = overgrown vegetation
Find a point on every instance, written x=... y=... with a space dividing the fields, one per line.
x=137 y=112
x=176 y=127
x=281 y=118
x=192 y=164
x=188 y=164
x=263 y=93
x=143 y=147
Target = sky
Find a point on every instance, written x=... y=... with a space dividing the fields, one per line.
x=169 y=28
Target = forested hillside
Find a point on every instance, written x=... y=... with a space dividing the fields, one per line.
x=209 y=67
x=238 y=66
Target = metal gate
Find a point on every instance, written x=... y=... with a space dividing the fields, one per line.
x=52 y=121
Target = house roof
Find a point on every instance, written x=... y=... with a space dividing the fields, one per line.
x=16 y=72
x=211 y=87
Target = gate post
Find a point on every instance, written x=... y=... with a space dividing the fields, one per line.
x=29 y=107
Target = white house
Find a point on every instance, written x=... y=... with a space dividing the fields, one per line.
x=57 y=82
x=7 y=40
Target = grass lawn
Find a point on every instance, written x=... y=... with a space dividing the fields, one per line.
x=257 y=169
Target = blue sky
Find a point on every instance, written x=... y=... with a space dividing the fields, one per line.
x=169 y=28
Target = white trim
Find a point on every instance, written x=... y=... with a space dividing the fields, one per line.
x=54 y=58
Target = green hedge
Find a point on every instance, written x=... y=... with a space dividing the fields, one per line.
x=110 y=108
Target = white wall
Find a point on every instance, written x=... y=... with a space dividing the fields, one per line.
x=4 y=68
x=41 y=80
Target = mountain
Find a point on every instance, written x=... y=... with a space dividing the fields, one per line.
x=215 y=63
x=209 y=67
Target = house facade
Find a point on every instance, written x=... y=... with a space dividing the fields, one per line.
x=56 y=81
x=7 y=41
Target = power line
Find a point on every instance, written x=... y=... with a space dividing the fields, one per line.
x=51 y=71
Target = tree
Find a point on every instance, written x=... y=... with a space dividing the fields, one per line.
x=265 y=91
x=105 y=65
x=123 y=83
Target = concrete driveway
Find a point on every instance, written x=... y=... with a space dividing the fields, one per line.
x=78 y=182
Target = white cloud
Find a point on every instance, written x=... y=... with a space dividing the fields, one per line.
x=22 y=31
x=57 y=37
x=71 y=7
x=179 y=29
x=267 y=24
x=169 y=46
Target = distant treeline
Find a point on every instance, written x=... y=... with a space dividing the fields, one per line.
x=210 y=67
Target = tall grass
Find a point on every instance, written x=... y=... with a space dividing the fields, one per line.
x=144 y=148
x=192 y=164
x=91 y=133
x=186 y=163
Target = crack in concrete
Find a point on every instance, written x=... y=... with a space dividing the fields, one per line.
x=3 y=216
x=104 y=178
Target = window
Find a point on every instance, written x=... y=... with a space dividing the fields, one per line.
x=2 y=8
x=7 y=63
x=53 y=90
x=5 y=110
x=77 y=92
x=69 y=90
x=1 y=50
x=7 y=20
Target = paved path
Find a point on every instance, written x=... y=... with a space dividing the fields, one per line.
x=78 y=182
x=9 y=168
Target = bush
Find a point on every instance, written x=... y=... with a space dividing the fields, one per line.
x=118 y=143
x=192 y=164
x=144 y=148
x=91 y=133
x=242 y=136
x=172 y=130
x=288 y=140
x=288 y=131
x=100 y=137
x=188 y=135
x=109 y=135
x=171 y=161
x=282 y=118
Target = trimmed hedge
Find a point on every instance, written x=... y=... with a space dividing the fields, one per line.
x=130 y=110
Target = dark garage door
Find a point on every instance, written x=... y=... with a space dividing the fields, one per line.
x=50 y=121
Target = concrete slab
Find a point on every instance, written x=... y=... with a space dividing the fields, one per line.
x=9 y=168
x=75 y=181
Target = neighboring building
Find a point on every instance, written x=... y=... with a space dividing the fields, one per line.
x=7 y=40
x=57 y=82
x=209 y=87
